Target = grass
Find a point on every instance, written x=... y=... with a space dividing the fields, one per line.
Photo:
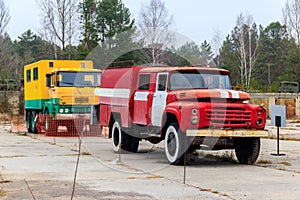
x=86 y=154
x=285 y=163
x=223 y=158
x=153 y=176
x=264 y=162
x=148 y=177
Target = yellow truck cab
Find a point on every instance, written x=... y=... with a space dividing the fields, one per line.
x=57 y=87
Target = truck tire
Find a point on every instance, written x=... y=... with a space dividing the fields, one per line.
x=28 y=121
x=33 y=123
x=134 y=144
x=120 y=140
x=174 y=145
x=247 y=150
x=46 y=119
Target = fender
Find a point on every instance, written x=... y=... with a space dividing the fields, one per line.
x=48 y=106
x=170 y=110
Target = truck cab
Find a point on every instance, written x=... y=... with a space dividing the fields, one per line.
x=177 y=104
x=59 y=87
x=71 y=90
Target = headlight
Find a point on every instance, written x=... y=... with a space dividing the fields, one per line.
x=67 y=110
x=61 y=110
x=194 y=120
x=259 y=122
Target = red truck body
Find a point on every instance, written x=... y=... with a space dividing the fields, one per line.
x=154 y=103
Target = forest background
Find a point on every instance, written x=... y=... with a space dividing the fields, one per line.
x=258 y=57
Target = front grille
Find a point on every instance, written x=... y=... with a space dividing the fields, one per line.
x=227 y=117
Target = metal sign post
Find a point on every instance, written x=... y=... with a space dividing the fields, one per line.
x=278 y=118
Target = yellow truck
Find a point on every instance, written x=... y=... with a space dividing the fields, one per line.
x=59 y=87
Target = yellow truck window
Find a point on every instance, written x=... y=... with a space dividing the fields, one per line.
x=28 y=76
x=78 y=79
x=35 y=73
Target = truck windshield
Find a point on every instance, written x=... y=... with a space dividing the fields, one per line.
x=179 y=81
x=78 y=79
x=217 y=81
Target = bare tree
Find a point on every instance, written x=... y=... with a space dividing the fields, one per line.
x=4 y=17
x=5 y=43
x=154 y=23
x=247 y=42
x=291 y=18
x=216 y=45
x=59 y=21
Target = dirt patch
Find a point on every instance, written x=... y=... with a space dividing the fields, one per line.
x=2 y=193
x=60 y=190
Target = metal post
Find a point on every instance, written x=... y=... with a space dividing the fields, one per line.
x=278 y=124
x=185 y=157
x=277 y=140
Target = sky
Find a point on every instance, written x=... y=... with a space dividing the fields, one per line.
x=197 y=20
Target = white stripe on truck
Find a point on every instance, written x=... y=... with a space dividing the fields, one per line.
x=235 y=94
x=115 y=92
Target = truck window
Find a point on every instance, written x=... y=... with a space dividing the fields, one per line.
x=35 y=73
x=79 y=79
x=144 y=82
x=162 y=80
x=179 y=81
x=217 y=81
x=28 y=76
x=48 y=80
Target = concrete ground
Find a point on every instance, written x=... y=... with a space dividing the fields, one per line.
x=38 y=167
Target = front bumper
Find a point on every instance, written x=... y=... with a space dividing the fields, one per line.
x=226 y=133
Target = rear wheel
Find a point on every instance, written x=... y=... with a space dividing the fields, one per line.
x=174 y=145
x=120 y=140
x=33 y=122
x=247 y=150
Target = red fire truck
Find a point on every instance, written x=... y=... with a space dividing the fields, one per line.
x=187 y=107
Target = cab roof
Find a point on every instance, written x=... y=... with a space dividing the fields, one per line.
x=184 y=69
x=75 y=70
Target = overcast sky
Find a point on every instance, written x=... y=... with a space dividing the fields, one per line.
x=196 y=19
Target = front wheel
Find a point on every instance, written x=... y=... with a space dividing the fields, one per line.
x=47 y=115
x=247 y=150
x=174 y=145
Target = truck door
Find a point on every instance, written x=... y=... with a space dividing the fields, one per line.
x=141 y=97
x=159 y=99
x=52 y=90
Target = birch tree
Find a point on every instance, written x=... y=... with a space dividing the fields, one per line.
x=154 y=23
x=59 y=21
x=246 y=38
x=216 y=45
x=5 y=43
x=291 y=18
x=4 y=17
